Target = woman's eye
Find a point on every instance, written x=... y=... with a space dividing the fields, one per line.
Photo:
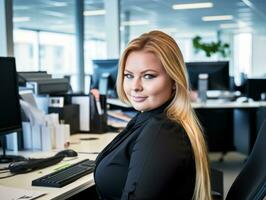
x=128 y=76
x=149 y=76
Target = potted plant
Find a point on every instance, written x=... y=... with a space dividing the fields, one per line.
x=211 y=48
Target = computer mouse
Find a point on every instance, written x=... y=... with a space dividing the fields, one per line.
x=242 y=100
x=67 y=153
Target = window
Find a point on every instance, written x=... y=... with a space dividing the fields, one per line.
x=26 y=50
x=242 y=55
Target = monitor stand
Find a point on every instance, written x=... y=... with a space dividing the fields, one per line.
x=9 y=158
x=103 y=83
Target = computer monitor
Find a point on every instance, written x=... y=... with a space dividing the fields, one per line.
x=255 y=87
x=218 y=74
x=104 y=76
x=10 y=115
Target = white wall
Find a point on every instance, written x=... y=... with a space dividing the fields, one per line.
x=258 y=56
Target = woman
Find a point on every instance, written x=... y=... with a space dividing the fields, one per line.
x=161 y=154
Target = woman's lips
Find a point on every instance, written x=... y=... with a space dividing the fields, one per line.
x=138 y=98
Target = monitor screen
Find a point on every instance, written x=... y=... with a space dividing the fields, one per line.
x=255 y=88
x=104 y=76
x=10 y=116
x=218 y=74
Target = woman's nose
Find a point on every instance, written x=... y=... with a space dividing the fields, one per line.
x=137 y=85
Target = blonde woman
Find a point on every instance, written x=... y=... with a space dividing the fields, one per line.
x=161 y=154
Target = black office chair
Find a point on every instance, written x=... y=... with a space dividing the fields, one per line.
x=250 y=184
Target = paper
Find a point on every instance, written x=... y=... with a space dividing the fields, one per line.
x=27 y=135
x=28 y=96
x=12 y=141
x=84 y=111
x=119 y=115
x=35 y=115
x=9 y=193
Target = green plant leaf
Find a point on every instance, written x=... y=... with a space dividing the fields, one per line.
x=211 y=48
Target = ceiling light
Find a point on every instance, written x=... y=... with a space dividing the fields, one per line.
x=242 y=24
x=168 y=30
x=248 y=3
x=52 y=13
x=94 y=12
x=239 y=24
x=135 y=23
x=21 y=7
x=228 y=26
x=54 y=3
x=21 y=19
x=192 y=6
x=60 y=4
x=217 y=18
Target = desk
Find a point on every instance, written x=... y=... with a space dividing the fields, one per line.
x=230 y=126
x=23 y=181
x=209 y=104
x=212 y=104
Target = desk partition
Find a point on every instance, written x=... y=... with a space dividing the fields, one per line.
x=231 y=126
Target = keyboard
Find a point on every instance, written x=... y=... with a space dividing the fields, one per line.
x=66 y=175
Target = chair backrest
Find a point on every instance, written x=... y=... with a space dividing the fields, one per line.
x=250 y=184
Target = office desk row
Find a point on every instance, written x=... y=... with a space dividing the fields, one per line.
x=87 y=146
x=219 y=103
x=228 y=104
x=230 y=126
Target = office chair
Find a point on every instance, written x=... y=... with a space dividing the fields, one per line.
x=250 y=184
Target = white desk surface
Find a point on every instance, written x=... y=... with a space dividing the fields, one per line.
x=219 y=103
x=224 y=104
x=83 y=147
x=87 y=147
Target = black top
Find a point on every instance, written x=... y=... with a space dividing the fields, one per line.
x=151 y=158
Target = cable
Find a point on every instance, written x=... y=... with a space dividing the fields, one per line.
x=8 y=176
x=2 y=169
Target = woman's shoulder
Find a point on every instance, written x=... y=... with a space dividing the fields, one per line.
x=169 y=133
x=162 y=120
x=161 y=124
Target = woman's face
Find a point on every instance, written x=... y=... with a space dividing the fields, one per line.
x=146 y=83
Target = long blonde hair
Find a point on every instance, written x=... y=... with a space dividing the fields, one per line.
x=180 y=109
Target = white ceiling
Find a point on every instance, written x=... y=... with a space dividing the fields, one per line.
x=58 y=16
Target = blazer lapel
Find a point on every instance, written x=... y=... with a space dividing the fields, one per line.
x=117 y=140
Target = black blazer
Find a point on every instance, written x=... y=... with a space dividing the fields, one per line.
x=151 y=158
